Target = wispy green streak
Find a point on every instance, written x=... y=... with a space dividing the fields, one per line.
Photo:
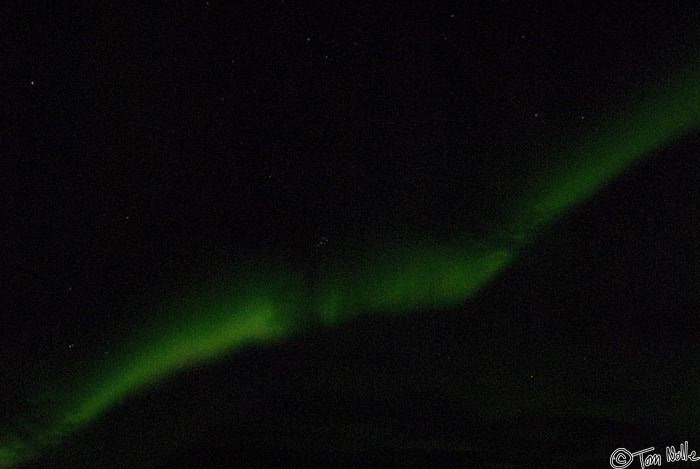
x=262 y=304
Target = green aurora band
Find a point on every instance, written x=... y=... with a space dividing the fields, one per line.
x=266 y=302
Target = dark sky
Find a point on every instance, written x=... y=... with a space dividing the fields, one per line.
x=145 y=147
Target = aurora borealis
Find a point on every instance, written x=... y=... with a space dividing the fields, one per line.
x=348 y=234
x=267 y=302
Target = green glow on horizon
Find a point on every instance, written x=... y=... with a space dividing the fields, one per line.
x=273 y=304
x=401 y=279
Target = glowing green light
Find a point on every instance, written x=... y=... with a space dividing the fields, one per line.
x=273 y=304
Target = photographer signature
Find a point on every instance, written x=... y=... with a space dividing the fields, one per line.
x=622 y=457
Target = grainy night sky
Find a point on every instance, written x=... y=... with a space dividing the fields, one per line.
x=148 y=151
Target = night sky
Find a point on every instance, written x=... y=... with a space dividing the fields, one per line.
x=150 y=155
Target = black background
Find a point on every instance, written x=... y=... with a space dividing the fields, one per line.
x=145 y=147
